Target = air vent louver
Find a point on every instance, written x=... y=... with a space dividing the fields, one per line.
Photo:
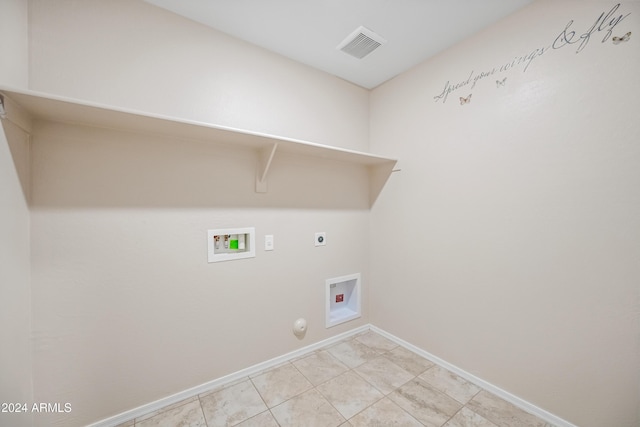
x=361 y=43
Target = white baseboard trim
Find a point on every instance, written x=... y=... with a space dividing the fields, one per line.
x=227 y=379
x=515 y=400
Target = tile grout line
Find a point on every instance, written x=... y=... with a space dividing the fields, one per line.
x=349 y=369
x=469 y=409
x=384 y=396
x=204 y=417
x=453 y=416
x=315 y=387
x=352 y=370
x=263 y=401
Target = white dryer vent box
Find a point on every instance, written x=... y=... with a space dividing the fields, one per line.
x=342 y=299
x=228 y=244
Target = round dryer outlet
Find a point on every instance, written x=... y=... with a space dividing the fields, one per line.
x=321 y=238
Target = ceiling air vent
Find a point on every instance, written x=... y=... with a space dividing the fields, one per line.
x=361 y=43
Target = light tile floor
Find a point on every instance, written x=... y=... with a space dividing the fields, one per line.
x=362 y=381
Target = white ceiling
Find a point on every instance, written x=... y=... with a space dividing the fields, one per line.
x=309 y=31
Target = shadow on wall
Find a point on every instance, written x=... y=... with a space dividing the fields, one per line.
x=20 y=151
x=76 y=166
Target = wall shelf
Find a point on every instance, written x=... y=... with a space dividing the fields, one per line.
x=23 y=106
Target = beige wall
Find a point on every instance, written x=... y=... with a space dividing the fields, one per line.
x=126 y=308
x=15 y=294
x=135 y=55
x=514 y=221
x=14 y=43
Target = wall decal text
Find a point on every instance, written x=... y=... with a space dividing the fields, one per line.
x=568 y=36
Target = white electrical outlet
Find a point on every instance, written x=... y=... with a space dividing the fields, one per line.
x=268 y=242
x=321 y=238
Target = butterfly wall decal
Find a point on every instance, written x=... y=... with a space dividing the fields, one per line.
x=465 y=100
x=625 y=38
x=500 y=82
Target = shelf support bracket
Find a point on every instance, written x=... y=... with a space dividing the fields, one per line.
x=264 y=164
x=12 y=112
x=3 y=110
